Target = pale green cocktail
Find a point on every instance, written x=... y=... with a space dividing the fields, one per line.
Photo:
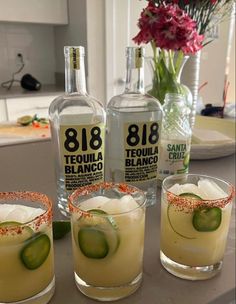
x=26 y=248
x=108 y=239
x=195 y=218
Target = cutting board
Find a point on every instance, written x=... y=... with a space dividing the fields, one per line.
x=13 y=133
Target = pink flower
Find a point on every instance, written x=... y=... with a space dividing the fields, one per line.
x=169 y=27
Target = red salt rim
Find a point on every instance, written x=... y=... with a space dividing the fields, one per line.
x=35 y=223
x=189 y=203
x=85 y=190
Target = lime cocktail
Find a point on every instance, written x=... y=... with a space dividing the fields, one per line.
x=26 y=248
x=195 y=218
x=108 y=239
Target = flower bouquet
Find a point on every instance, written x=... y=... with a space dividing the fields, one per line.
x=176 y=29
x=172 y=34
x=206 y=13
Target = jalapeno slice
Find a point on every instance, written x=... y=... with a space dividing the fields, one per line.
x=98 y=235
x=35 y=251
x=93 y=242
x=171 y=215
x=207 y=219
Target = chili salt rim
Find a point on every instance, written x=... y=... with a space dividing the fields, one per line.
x=36 y=222
x=85 y=190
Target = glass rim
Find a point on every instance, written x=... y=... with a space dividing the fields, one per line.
x=184 y=201
x=85 y=190
x=30 y=196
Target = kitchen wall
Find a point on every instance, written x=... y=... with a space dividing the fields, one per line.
x=36 y=44
x=214 y=66
x=96 y=33
x=74 y=34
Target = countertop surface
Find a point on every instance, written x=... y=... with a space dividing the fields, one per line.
x=13 y=133
x=30 y=166
x=18 y=91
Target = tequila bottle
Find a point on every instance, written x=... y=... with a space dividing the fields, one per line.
x=175 y=138
x=77 y=123
x=133 y=128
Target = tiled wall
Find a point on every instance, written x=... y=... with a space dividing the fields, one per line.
x=36 y=43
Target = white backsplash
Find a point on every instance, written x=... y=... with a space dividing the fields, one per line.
x=35 y=43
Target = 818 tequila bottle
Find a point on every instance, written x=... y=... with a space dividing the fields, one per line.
x=77 y=125
x=133 y=131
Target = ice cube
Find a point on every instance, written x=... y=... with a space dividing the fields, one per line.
x=122 y=205
x=112 y=206
x=36 y=212
x=128 y=203
x=206 y=189
x=96 y=202
x=5 y=209
x=185 y=188
x=175 y=189
x=210 y=190
x=18 y=213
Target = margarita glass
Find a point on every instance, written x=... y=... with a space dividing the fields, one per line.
x=108 y=239
x=195 y=218
x=26 y=248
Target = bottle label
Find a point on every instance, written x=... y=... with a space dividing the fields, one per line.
x=174 y=157
x=82 y=154
x=141 y=151
x=75 y=58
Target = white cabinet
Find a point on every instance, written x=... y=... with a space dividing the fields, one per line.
x=34 y=11
x=17 y=107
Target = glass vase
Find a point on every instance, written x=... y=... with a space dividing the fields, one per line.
x=170 y=84
x=190 y=77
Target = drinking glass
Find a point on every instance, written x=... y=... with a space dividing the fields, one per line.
x=195 y=218
x=26 y=248
x=107 y=238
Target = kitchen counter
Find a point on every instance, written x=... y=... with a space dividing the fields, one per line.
x=18 y=91
x=30 y=167
x=13 y=133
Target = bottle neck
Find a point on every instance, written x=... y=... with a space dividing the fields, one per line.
x=75 y=81
x=134 y=75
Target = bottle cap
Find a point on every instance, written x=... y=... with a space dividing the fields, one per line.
x=76 y=49
x=74 y=53
x=135 y=56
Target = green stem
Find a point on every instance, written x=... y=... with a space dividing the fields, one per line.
x=154 y=48
x=155 y=59
x=171 y=62
x=178 y=62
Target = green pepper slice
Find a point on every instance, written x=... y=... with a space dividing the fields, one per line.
x=207 y=219
x=36 y=251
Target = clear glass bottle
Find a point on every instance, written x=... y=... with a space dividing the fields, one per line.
x=176 y=135
x=77 y=123
x=133 y=128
